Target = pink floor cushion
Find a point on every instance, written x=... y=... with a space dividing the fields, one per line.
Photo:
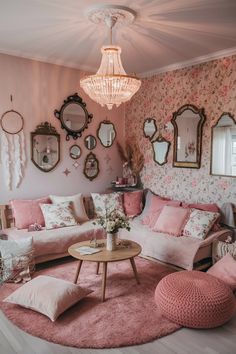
x=195 y=299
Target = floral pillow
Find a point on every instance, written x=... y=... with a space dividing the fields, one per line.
x=199 y=223
x=58 y=215
x=106 y=203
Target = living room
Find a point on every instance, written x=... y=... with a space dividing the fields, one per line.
x=149 y=152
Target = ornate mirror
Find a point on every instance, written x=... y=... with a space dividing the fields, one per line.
x=75 y=152
x=12 y=122
x=106 y=133
x=160 y=150
x=91 y=166
x=149 y=128
x=188 y=122
x=223 y=146
x=45 y=147
x=90 y=142
x=73 y=116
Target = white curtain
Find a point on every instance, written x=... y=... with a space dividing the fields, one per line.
x=222 y=151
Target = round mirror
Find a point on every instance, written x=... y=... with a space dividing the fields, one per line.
x=75 y=152
x=106 y=133
x=12 y=122
x=90 y=142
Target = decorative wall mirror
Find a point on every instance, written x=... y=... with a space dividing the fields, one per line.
x=73 y=116
x=75 y=152
x=91 y=166
x=149 y=128
x=45 y=147
x=106 y=133
x=160 y=148
x=223 y=146
x=188 y=122
x=90 y=142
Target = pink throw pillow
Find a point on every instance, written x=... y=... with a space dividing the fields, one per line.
x=225 y=270
x=27 y=212
x=205 y=207
x=133 y=203
x=172 y=220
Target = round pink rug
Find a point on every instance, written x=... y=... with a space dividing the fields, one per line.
x=128 y=316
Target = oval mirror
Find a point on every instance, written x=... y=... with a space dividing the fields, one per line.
x=160 y=150
x=106 y=133
x=90 y=142
x=223 y=146
x=188 y=122
x=45 y=147
x=91 y=166
x=75 y=152
x=73 y=116
x=149 y=128
x=12 y=122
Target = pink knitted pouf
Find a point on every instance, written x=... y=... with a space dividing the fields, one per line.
x=195 y=299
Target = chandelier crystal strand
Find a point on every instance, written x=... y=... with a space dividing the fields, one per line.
x=110 y=85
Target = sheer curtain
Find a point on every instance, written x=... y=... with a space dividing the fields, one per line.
x=222 y=154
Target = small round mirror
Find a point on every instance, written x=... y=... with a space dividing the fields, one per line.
x=74 y=117
x=12 y=122
x=75 y=152
x=90 y=142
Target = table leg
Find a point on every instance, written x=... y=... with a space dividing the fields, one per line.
x=104 y=278
x=98 y=264
x=77 y=271
x=134 y=270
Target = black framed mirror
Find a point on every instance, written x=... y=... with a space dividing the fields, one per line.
x=223 y=146
x=91 y=166
x=188 y=123
x=73 y=116
x=149 y=128
x=160 y=148
x=106 y=133
x=75 y=152
x=45 y=147
x=90 y=142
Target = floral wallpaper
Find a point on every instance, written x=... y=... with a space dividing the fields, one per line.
x=211 y=86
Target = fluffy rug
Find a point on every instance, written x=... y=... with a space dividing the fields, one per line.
x=128 y=316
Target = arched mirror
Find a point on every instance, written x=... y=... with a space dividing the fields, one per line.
x=160 y=150
x=75 y=152
x=45 y=147
x=12 y=122
x=73 y=116
x=223 y=146
x=106 y=133
x=188 y=122
x=149 y=128
x=90 y=142
x=91 y=166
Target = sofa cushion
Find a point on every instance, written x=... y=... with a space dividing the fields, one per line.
x=133 y=203
x=225 y=270
x=106 y=203
x=78 y=205
x=58 y=215
x=199 y=223
x=172 y=220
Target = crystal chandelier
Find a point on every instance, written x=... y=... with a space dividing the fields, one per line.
x=111 y=85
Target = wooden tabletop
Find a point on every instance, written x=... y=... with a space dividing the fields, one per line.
x=121 y=253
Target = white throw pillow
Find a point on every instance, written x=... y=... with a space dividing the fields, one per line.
x=58 y=215
x=78 y=205
x=199 y=223
x=47 y=295
x=106 y=203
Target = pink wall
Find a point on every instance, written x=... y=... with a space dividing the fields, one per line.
x=211 y=86
x=39 y=88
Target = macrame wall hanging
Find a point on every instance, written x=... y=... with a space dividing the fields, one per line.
x=12 y=147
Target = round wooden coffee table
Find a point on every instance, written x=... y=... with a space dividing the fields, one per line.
x=127 y=250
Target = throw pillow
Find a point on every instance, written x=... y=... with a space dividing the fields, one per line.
x=48 y=295
x=17 y=259
x=27 y=212
x=225 y=270
x=220 y=249
x=199 y=223
x=78 y=205
x=106 y=203
x=133 y=203
x=58 y=215
x=205 y=207
x=171 y=220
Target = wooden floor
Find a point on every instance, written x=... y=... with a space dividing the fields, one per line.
x=215 y=341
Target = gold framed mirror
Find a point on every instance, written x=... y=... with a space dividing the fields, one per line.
x=90 y=142
x=106 y=133
x=75 y=152
x=91 y=166
x=149 y=128
x=160 y=148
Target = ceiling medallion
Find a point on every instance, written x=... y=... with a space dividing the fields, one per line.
x=111 y=85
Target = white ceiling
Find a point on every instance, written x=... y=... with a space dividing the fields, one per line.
x=165 y=32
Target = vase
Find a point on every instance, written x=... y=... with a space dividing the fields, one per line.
x=111 y=241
